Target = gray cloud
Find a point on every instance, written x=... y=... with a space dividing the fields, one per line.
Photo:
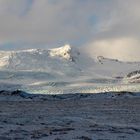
x=45 y=22
x=94 y=24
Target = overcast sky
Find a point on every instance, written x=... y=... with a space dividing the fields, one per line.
x=103 y=27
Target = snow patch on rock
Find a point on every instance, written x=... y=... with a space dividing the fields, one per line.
x=64 y=52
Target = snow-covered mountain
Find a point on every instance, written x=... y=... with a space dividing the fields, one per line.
x=39 y=59
x=34 y=58
x=64 y=67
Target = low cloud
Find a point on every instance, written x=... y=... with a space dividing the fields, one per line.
x=126 y=49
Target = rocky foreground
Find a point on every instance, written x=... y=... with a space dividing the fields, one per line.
x=107 y=116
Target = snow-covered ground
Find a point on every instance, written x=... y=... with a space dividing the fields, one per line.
x=102 y=116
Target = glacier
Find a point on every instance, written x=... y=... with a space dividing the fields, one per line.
x=65 y=69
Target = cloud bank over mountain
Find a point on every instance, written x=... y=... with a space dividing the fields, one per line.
x=125 y=49
x=108 y=27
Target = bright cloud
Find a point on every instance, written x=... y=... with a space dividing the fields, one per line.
x=126 y=49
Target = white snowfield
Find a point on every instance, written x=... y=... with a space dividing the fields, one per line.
x=65 y=70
